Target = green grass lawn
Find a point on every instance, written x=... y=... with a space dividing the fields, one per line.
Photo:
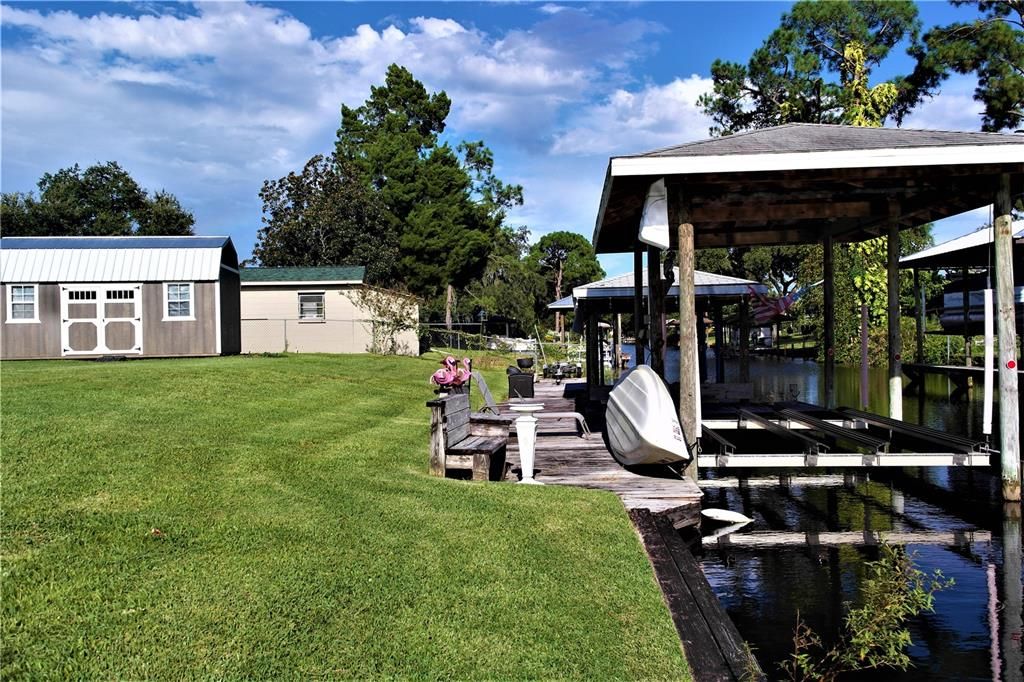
x=271 y=517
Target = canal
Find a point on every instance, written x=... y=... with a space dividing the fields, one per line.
x=805 y=552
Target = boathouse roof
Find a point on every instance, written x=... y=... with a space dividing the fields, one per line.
x=797 y=183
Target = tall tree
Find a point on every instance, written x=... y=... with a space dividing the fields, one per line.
x=445 y=205
x=991 y=46
x=566 y=260
x=325 y=216
x=791 y=78
x=101 y=200
x=509 y=287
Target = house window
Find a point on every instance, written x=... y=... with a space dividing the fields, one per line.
x=311 y=306
x=179 y=301
x=21 y=303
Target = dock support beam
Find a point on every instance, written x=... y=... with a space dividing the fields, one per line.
x=719 y=345
x=919 y=318
x=895 y=339
x=830 y=321
x=638 y=303
x=744 y=340
x=1009 y=406
x=689 y=390
x=656 y=306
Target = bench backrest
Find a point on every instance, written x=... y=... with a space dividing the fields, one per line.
x=456 y=418
x=485 y=391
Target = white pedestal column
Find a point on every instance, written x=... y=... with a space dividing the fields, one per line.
x=526 y=434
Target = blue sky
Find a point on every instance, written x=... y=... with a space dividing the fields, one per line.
x=208 y=100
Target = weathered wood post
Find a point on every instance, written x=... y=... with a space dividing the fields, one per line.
x=895 y=339
x=656 y=306
x=593 y=377
x=919 y=319
x=702 y=345
x=719 y=345
x=966 y=306
x=689 y=391
x=863 y=357
x=1009 y=406
x=616 y=344
x=638 y=303
x=830 y=320
x=744 y=339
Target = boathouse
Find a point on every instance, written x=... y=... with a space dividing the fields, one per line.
x=815 y=184
x=612 y=297
x=67 y=297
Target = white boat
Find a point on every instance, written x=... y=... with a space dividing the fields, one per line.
x=642 y=426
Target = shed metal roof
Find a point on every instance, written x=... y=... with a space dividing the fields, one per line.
x=156 y=242
x=704 y=283
x=338 y=274
x=114 y=259
x=966 y=250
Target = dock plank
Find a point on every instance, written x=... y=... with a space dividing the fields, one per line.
x=565 y=458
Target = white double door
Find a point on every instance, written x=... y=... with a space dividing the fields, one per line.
x=101 y=319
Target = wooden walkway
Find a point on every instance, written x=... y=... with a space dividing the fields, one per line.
x=658 y=507
x=564 y=457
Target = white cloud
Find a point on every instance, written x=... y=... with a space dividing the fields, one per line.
x=209 y=100
x=657 y=116
x=954 y=108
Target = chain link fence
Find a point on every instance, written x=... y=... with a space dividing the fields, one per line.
x=467 y=337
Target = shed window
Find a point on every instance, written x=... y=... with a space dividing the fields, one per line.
x=311 y=306
x=179 y=301
x=22 y=303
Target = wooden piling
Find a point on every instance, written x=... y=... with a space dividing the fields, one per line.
x=830 y=324
x=1009 y=406
x=895 y=339
x=744 y=339
x=638 y=303
x=919 y=316
x=719 y=345
x=656 y=306
x=689 y=395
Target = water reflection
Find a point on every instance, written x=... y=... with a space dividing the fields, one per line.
x=806 y=551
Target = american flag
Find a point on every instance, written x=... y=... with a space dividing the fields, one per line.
x=767 y=309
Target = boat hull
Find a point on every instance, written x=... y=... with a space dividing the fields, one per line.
x=641 y=424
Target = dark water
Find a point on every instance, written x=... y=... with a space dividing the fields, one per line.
x=954 y=516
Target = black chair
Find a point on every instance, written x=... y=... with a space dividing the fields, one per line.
x=520 y=385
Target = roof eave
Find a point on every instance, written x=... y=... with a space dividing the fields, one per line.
x=605 y=195
x=848 y=158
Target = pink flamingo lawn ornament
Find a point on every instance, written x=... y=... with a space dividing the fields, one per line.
x=450 y=375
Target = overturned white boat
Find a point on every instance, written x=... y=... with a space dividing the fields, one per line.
x=642 y=426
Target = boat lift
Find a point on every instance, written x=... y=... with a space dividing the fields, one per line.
x=870 y=440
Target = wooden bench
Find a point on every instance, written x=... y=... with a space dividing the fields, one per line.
x=460 y=439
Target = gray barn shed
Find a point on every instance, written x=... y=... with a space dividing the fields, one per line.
x=131 y=296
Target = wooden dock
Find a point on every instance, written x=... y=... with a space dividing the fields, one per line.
x=658 y=507
x=563 y=457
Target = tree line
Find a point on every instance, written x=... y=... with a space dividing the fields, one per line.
x=430 y=217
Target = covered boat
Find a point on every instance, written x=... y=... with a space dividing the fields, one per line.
x=642 y=426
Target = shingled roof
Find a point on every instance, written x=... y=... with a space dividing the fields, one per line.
x=795 y=183
x=814 y=137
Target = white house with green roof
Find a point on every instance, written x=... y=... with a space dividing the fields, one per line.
x=316 y=310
